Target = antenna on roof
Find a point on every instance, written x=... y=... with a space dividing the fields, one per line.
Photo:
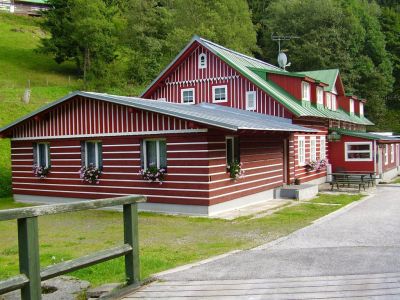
x=282 y=58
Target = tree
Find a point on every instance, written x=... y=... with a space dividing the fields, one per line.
x=158 y=30
x=334 y=34
x=84 y=31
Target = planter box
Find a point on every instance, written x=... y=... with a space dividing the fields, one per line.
x=298 y=192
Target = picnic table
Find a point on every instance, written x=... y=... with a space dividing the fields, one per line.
x=356 y=178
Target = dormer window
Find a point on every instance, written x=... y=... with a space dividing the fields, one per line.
x=305 y=91
x=320 y=95
x=334 y=102
x=361 y=109
x=202 y=61
x=351 y=106
x=328 y=101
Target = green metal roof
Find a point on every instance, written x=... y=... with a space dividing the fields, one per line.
x=328 y=76
x=364 y=135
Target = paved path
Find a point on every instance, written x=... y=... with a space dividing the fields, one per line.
x=354 y=253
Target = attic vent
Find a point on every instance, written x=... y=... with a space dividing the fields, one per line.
x=202 y=61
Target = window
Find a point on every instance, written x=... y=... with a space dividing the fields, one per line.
x=232 y=150
x=305 y=91
x=334 y=102
x=187 y=96
x=392 y=153
x=322 y=151
x=41 y=154
x=251 y=100
x=202 y=61
x=219 y=93
x=328 y=101
x=351 y=106
x=358 y=151
x=301 y=148
x=154 y=152
x=361 y=109
x=386 y=154
x=320 y=95
x=92 y=154
x=313 y=148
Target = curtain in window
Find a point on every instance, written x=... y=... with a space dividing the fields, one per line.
x=151 y=153
x=91 y=153
x=163 y=154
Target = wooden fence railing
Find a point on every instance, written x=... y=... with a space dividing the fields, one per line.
x=31 y=275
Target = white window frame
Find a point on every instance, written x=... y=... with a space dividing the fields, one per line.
x=96 y=153
x=392 y=153
x=301 y=151
x=157 y=151
x=200 y=65
x=334 y=102
x=320 y=95
x=305 y=91
x=46 y=147
x=219 y=87
x=248 y=93
x=313 y=148
x=346 y=151
x=322 y=147
x=361 y=109
x=231 y=138
x=188 y=90
x=386 y=154
x=328 y=100
x=351 y=109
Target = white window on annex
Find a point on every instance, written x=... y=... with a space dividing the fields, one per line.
x=313 y=148
x=361 y=109
x=219 y=93
x=322 y=147
x=320 y=95
x=301 y=150
x=305 y=91
x=392 y=153
x=41 y=154
x=154 y=152
x=351 y=106
x=202 y=61
x=92 y=154
x=251 y=100
x=386 y=154
x=358 y=151
x=187 y=96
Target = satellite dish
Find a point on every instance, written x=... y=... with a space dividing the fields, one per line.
x=282 y=60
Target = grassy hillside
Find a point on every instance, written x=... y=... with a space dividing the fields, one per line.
x=20 y=63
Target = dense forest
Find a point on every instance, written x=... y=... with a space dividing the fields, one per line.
x=120 y=44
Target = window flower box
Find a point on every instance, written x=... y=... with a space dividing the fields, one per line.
x=235 y=170
x=153 y=174
x=41 y=171
x=90 y=174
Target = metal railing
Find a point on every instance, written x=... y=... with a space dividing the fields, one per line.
x=31 y=275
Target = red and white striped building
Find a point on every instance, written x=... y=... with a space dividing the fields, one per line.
x=210 y=107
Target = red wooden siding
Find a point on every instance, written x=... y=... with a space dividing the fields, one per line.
x=187 y=75
x=337 y=156
x=291 y=84
x=262 y=160
x=196 y=175
x=88 y=117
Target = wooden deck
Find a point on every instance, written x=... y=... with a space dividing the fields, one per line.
x=376 y=286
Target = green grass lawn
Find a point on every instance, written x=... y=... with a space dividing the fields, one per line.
x=396 y=180
x=165 y=241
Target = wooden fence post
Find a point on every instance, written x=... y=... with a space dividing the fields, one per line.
x=29 y=261
x=131 y=237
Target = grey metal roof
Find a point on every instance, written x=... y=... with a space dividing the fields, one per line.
x=204 y=113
